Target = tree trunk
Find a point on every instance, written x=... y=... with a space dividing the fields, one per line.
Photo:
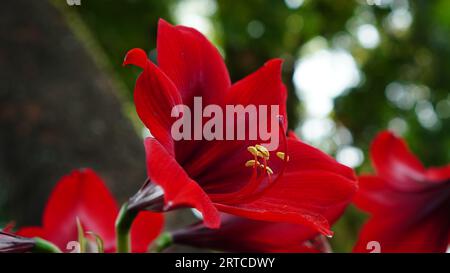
x=58 y=112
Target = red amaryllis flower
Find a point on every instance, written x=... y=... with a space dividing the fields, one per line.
x=238 y=177
x=82 y=195
x=237 y=234
x=409 y=204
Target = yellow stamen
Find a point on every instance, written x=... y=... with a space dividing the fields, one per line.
x=263 y=150
x=283 y=156
x=254 y=151
x=251 y=163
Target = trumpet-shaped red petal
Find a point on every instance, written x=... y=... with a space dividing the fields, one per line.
x=195 y=67
x=155 y=95
x=238 y=234
x=263 y=87
x=82 y=195
x=408 y=203
x=395 y=163
x=298 y=198
x=192 y=63
x=31 y=232
x=400 y=223
x=146 y=227
x=179 y=188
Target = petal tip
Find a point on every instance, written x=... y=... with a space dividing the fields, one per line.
x=273 y=67
x=137 y=57
x=81 y=172
x=274 y=63
x=163 y=23
x=386 y=134
x=164 y=26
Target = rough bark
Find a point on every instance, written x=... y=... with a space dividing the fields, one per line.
x=58 y=112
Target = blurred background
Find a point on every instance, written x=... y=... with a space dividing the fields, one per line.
x=352 y=67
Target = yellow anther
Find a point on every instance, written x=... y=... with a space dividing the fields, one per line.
x=263 y=150
x=283 y=156
x=251 y=163
x=259 y=151
x=254 y=151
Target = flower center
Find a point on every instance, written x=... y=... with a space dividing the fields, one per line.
x=263 y=176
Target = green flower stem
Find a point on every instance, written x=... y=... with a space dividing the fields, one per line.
x=162 y=242
x=123 y=225
x=43 y=246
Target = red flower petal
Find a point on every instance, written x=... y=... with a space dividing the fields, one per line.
x=137 y=57
x=195 y=67
x=155 y=95
x=31 y=232
x=80 y=194
x=375 y=195
x=238 y=234
x=179 y=188
x=403 y=221
x=299 y=198
x=312 y=184
x=395 y=163
x=145 y=229
x=230 y=173
x=440 y=174
x=395 y=232
x=192 y=63
x=304 y=157
x=263 y=87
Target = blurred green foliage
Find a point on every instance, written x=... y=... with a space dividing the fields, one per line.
x=419 y=57
x=118 y=26
x=285 y=30
x=413 y=56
